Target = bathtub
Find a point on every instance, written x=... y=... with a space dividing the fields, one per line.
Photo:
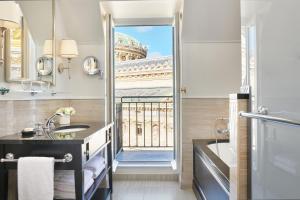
x=211 y=164
x=222 y=150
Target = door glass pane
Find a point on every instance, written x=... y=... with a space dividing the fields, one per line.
x=273 y=54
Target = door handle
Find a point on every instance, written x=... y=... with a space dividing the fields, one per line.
x=262 y=110
x=183 y=90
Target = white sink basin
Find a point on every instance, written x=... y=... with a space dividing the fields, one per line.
x=70 y=130
x=67 y=132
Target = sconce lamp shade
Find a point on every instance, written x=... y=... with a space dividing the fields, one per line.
x=10 y=15
x=48 y=49
x=68 y=49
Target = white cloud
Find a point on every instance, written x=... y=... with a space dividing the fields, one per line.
x=143 y=29
x=154 y=55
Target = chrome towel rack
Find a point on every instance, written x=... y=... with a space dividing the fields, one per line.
x=269 y=118
x=10 y=157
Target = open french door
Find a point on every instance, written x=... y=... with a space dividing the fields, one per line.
x=177 y=91
x=110 y=108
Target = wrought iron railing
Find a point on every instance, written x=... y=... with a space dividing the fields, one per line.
x=147 y=121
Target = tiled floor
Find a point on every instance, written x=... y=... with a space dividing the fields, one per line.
x=150 y=190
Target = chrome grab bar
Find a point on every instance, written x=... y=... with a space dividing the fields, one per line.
x=10 y=157
x=269 y=118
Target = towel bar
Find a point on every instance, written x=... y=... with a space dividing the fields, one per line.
x=269 y=118
x=9 y=157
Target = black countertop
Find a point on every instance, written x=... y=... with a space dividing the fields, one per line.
x=80 y=137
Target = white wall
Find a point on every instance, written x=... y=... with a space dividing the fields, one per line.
x=211 y=58
x=81 y=85
x=211 y=69
x=70 y=25
x=87 y=31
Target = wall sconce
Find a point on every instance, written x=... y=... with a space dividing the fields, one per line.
x=68 y=50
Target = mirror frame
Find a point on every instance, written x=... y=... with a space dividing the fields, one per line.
x=43 y=59
x=53 y=43
x=97 y=62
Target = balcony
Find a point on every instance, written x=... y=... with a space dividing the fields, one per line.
x=145 y=128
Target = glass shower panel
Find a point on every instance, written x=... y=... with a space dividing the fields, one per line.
x=275 y=29
x=276 y=172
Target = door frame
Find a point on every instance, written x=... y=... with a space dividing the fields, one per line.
x=175 y=22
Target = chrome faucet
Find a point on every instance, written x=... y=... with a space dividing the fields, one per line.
x=223 y=131
x=50 y=121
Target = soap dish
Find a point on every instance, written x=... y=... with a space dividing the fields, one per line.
x=28 y=132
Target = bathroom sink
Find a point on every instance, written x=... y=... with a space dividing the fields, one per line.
x=71 y=129
x=67 y=132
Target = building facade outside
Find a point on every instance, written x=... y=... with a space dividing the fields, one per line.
x=139 y=78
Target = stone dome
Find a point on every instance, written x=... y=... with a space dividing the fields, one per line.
x=128 y=48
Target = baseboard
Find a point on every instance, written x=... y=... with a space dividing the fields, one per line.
x=144 y=168
x=146 y=177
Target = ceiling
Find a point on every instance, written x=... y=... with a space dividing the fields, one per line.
x=81 y=20
x=74 y=19
x=203 y=20
x=38 y=15
x=121 y=9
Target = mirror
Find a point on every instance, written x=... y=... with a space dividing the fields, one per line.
x=91 y=65
x=26 y=37
x=44 y=66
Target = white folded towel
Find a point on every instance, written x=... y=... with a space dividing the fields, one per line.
x=88 y=184
x=96 y=165
x=64 y=183
x=35 y=178
x=88 y=179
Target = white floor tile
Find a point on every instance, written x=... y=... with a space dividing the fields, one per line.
x=150 y=190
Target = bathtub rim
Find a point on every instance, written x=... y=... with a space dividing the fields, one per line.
x=218 y=165
x=229 y=160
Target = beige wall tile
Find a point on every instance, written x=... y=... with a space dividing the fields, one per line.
x=198 y=121
x=16 y=115
x=88 y=110
x=239 y=145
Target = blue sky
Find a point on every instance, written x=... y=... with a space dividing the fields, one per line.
x=158 y=39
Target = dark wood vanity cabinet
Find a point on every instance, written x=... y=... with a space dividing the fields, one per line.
x=82 y=148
